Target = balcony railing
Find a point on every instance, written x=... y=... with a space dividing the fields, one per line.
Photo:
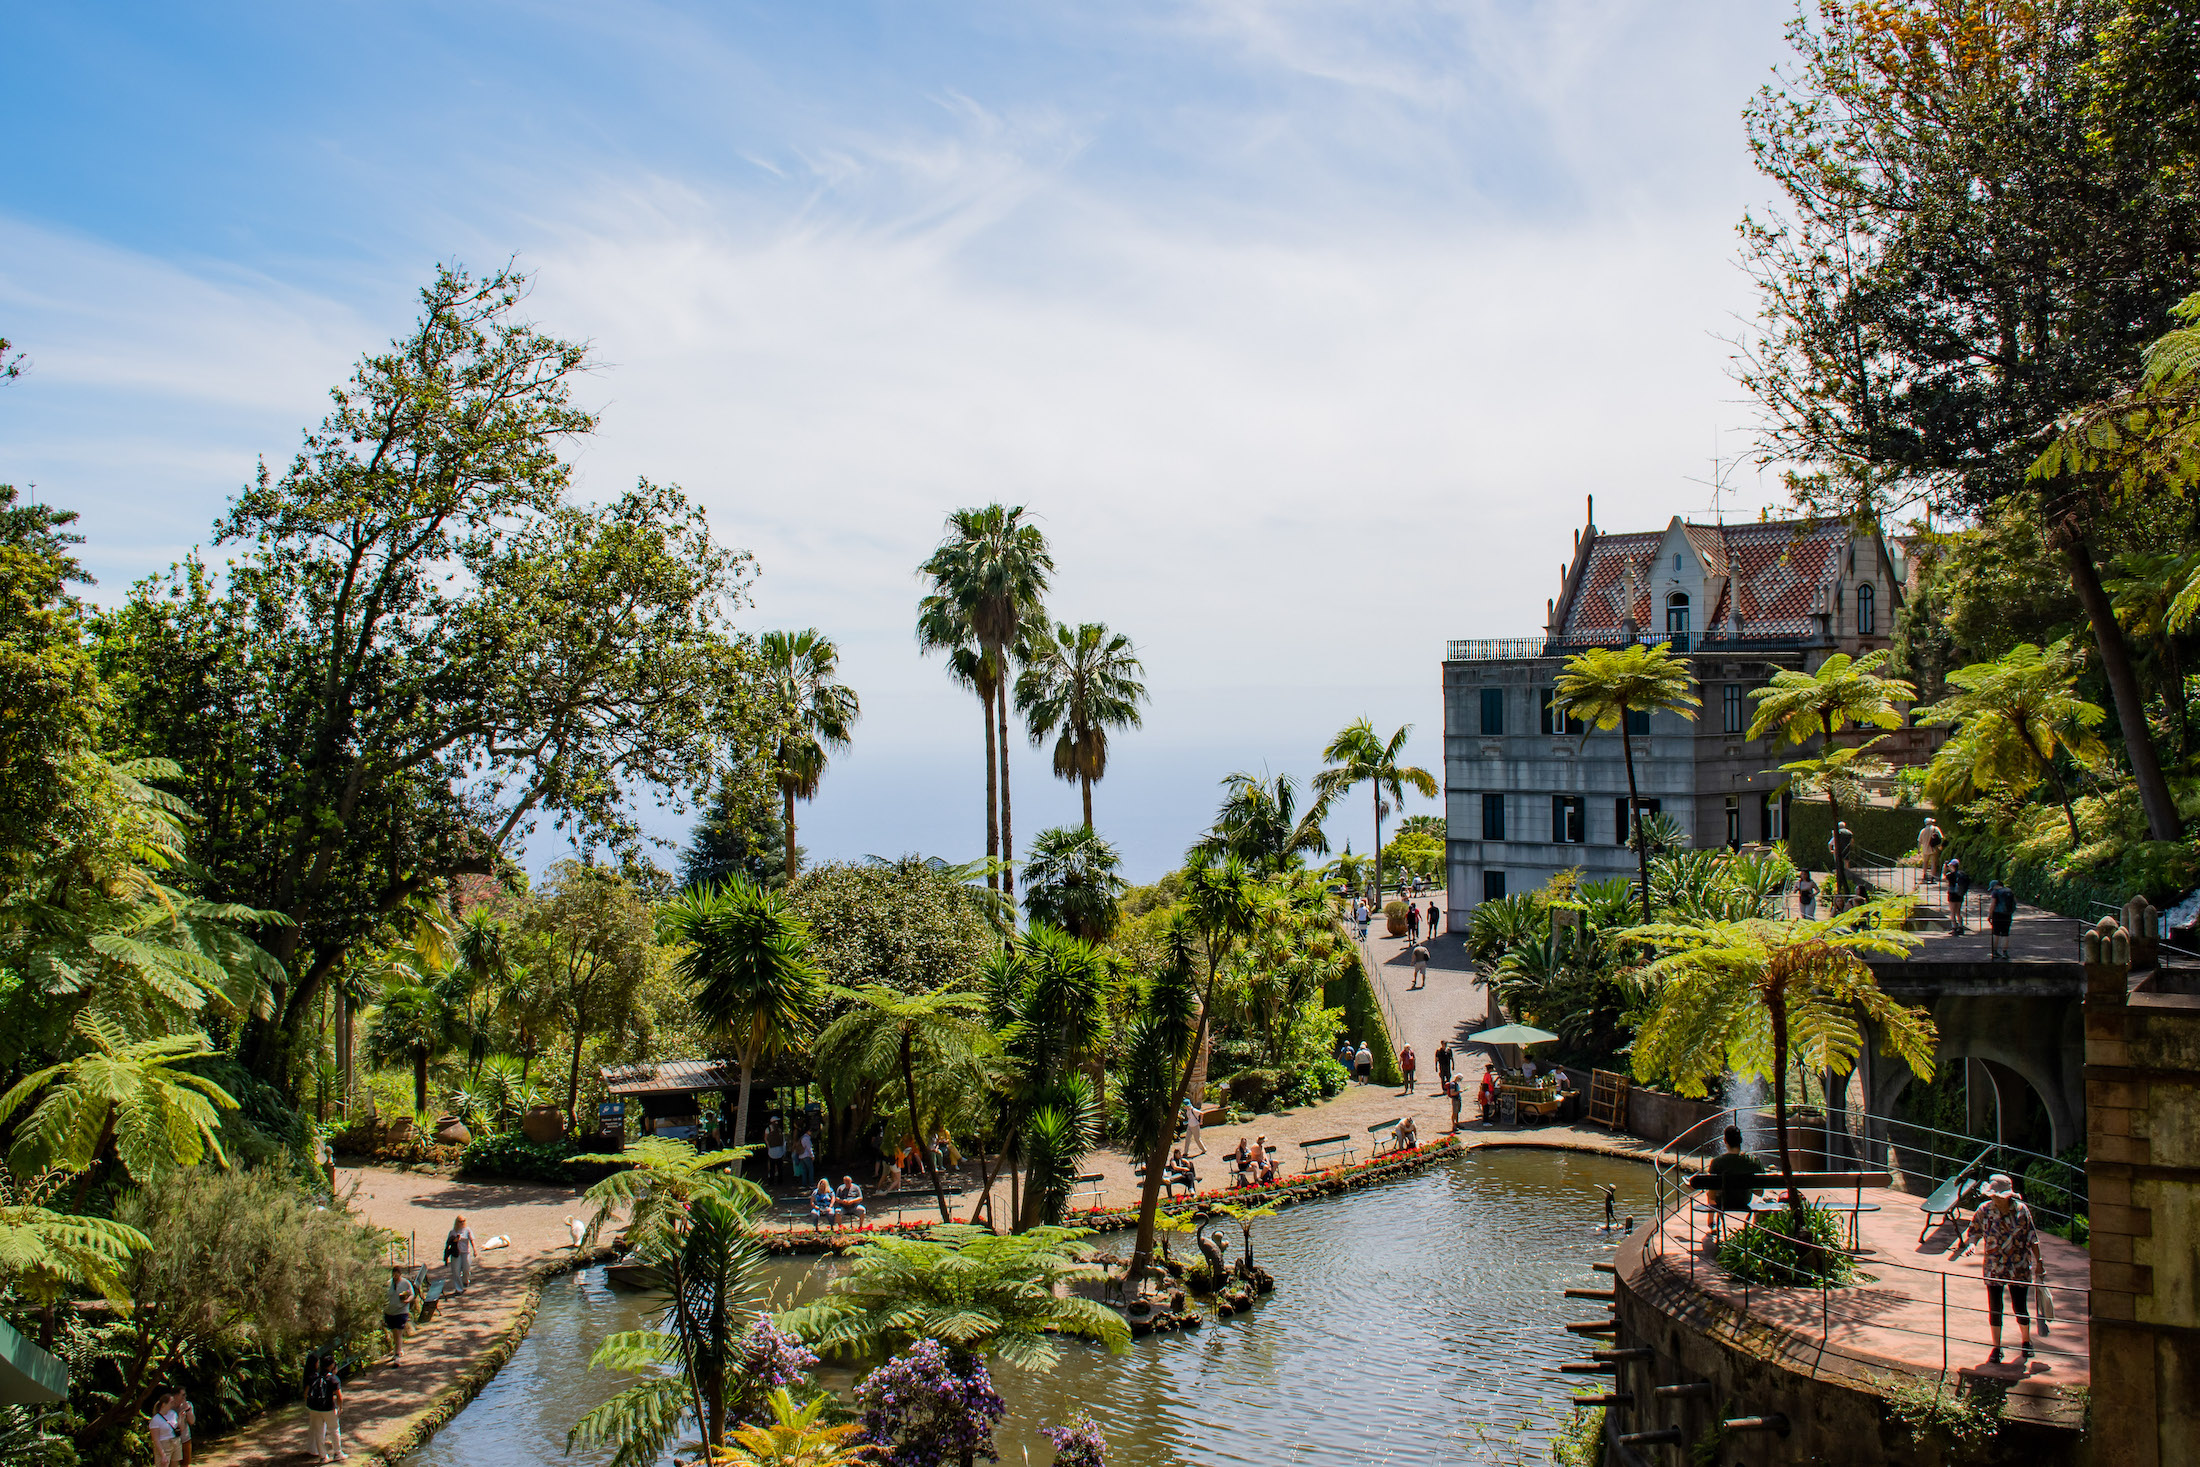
x=1493 y=649
x=1760 y=637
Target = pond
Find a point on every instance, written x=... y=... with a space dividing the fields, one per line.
x=1414 y=1321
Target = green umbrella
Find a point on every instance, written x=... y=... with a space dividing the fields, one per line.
x=1512 y=1034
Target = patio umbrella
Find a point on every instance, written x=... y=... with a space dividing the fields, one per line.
x=1512 y=1034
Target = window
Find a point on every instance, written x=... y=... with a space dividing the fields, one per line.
x=1493 y=817
x=1734 y=821
x=1770 y=810
x=1493 y=886
x=1493 y=710
x=1550 y=720
x=1867 y=611
x=1619 y=816
x=1730 y=704
x=1638 y=723
x=1569 y=819
x=1676 y=560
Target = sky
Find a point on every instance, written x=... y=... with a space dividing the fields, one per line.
x=1302 y=329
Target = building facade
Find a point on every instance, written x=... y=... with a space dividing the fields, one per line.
x=1528 y=794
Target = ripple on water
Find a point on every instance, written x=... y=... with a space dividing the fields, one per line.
x=1416 y=1320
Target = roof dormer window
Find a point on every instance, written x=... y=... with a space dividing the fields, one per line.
x=1676 y=560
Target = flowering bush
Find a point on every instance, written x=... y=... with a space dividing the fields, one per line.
x=920 y=1413
x=1078 y=1444
x=771 y=1359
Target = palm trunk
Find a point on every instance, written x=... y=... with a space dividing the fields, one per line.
x=916 y=1123
x=741 y=1107
x=2047 y=767
x=790 y=832
x=1008 y=840
x=992 y=795
x=1086 y=781
x=2173 y=669
x=1378 y=847
x=1833 y=810
x=2123 y=683
x=1149 y=1196
x=1634 y=813
x=573 y=1079
x=420 y=1081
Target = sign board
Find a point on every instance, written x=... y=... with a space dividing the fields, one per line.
x=611 y=1120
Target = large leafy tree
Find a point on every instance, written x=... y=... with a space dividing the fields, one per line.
x=1358 y=755
x=414 y=1024
x=121 y=1099
x=590 y=948
x=1745 y=995
x=1987 y=212
x=1261 y=824
x=745 y=958
x=989 y=582
x=1079 y=682
x=939 y=1032
x=2013 y=717
x=740 y=832
x=1071 y=882
x=1602 y=686
x=820 y=714
x=420 y=649
x=1843 y=692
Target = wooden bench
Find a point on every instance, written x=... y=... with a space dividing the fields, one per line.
x=1089 y=1185
x=431 y=1297
x=1779 y=1183
x=1381 y=1135
x=1325 y=1145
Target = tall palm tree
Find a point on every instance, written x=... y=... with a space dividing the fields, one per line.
x=745 y=959
x=2016 y=714
x=821 y=713
x=889 y=1030
x=1082 y=681
x=1741 y=995
x=415 y=1022
x=1071 y=882
x=483 y=948
x=1260 y=823
x=1359 y=754
x=1817 y=705
x=941 y=627
x=989 y=582
x=1602 y=686
x=121 y=1097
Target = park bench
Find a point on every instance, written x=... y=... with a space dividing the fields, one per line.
x=1779 y=1184
x=1089 y=1185
x=429 y=1298
x=1951 y=1197
x=1169 y=1184
x=1381 y=1135
x=1321 y=1148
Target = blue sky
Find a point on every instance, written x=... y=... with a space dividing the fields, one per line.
x=1304 y=328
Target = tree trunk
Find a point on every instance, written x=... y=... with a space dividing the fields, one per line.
x=790 y=833
x=1379 y=848
x=2123 y=684
x=420 y=1080
x=741 y=1109
x=1086 y=781
x=573 y=1078
x=347 y=1077
x=992 y=794
x=1634 y=813
x=1149 y=1197
x=1008 y=840
x=916 y=1123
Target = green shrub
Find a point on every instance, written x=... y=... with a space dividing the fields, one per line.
x=1254 y=1090
x=1309 y=1083
x=1961 y=1422
x=1580 y=1442
x=1766 y=1251
x=514 y=1157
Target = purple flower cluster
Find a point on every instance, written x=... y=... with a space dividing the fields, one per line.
x=1078 y=1444
x=921 y=1413
x=770 y=1358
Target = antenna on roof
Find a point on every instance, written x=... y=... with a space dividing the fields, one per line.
x=1722 y=469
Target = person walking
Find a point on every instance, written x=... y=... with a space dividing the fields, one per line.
x=324 y=1403
x=1806 y=896
x=1452 y=1093
x=397 y=1312
x=1958 y=883
x=1430 y=930
x=2001 y=915
x=1191 y=1128
x=805 y=1156
x=1406 y=1063
x=1487 y=1095
x=775 y=1149
x=1420 y=967
x=1413 y=923
x=1837 y=846
x=2003 y=1224
x=1443 y=1062
x=1363 y=1062
x=1931 y=840
x=160 y=1428
x=458 y=1254
x=182 y=1418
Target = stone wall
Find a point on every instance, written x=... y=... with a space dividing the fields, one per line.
x=2142 y=1078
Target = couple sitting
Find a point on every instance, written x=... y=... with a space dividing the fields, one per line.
x=1253 y=1164
x=828 y=1206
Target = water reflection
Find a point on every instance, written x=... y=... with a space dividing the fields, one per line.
x=1411 y=1321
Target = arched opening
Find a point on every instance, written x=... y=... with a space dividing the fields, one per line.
x=1867 y=611
x=1676 y=618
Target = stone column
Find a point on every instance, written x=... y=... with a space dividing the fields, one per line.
x=2142 y=1081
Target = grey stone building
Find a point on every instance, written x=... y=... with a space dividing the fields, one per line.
x=1527 y=796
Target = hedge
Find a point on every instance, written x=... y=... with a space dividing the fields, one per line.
x=1363 y=1020
x=1880 y=829
x=513 y=1157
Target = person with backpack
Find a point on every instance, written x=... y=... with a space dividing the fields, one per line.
x=1407 y=1062
x=324 y=1402
x=458 y=1254
x=1958 y=883
x=1999 y=918
x=1420 y=965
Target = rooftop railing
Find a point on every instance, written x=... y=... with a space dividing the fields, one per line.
x=1763 y=637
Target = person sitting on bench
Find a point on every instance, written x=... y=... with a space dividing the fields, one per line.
x=1180 y=1173
x=1737 y=1172
x=849 y=1199
x=1241 y=1163
x=821 y=1203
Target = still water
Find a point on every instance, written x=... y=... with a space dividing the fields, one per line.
x=1412 y=1322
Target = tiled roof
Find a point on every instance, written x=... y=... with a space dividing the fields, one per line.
x=1780 y=571
x=672 y=1076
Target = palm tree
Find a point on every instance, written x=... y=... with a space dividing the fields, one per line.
x=1260 y=823
x=1359 y=755
x=941 y=627
x=415 y=1023
x=122 y=1096
x=1601 y=686
x=709 y=1266
x=657 y=1178
x=1083 y=681
x=745 y=959
x=989 y=582
x=974 y=1291
x=891 y=1030
x=2016 y=714
x=821 y=714
x=1742 y=995
x=483 y=948
x=1817 y=705
x=1070 y=882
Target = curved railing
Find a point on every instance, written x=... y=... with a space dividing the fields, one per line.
x=1920 y=1158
